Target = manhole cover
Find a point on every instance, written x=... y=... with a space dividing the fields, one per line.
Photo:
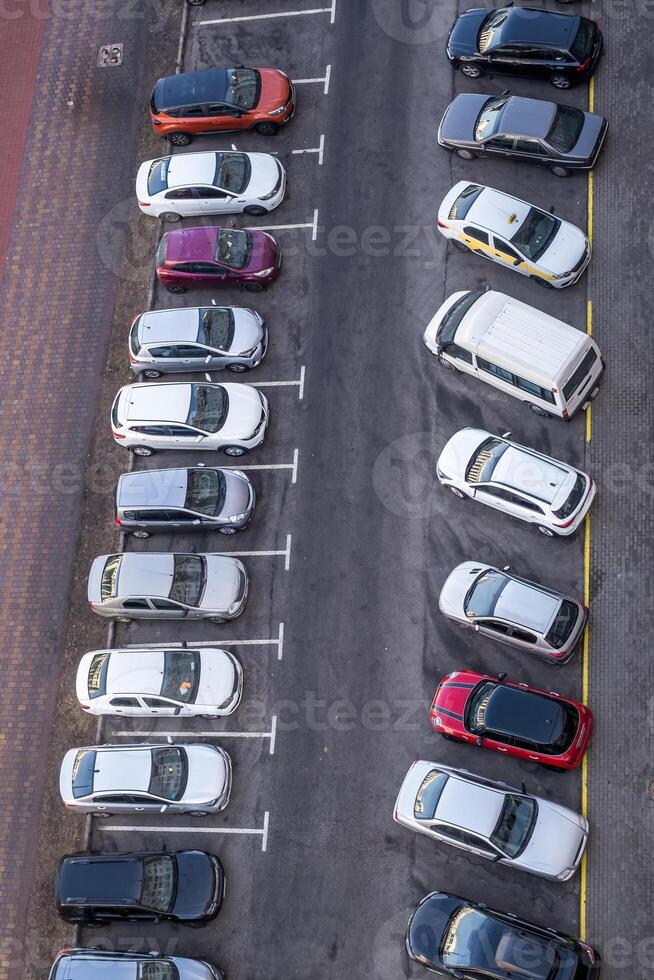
x=110 y=55
x=651 y=790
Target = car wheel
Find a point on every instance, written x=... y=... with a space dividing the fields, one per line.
x=472 y=71
x=179 y=139
x=238 y=368
x=465 y=154
x=543 y=283
x=140 y=534
x=538 y=410
x=443 y=361
x=151 y=373
x=457 y=493
x=141 y=450
x=234 y=450
x=546 y=531
x=227 y=529
x=171 y=216
x=176 y=289
x=255 y=210
x=266 y=129
x=449 y=738
x=559 y=171
x=200 y=3
x=254 y=287
x=560 y=81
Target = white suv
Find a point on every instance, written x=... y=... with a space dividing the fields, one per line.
x=150 y=417
x=519 y=481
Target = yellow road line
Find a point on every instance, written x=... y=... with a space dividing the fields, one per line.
x=589 y=331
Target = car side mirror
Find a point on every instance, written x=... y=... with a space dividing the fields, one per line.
x=197 y=522
x=177 y=711
x=524 y=787
x=208 y=359
x=507 y=568
x=506 y=435
x=479 y=741
x=169 y=739
x=475 y=627
x=163 y=808
x=501 y=677
x=184 y=612
x=551 y=209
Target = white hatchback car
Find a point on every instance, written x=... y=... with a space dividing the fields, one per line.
x=190 y=184
x=492 y=820
x=106 y=779
x=177 y=415
x=519 y=481
x=205 y=683
x=515 y=234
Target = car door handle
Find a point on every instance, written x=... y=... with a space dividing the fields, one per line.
x=535 y=757
x=500 y=749
x=186 y=360
x=139 y=808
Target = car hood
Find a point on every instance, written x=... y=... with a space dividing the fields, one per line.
x=142 y=180
x=208 y=774
x=565 y=251
x=218 y=678
x=591 y=133
x=196 y=884
x=237 y=494
x=244 y=413
x=248 y=331
x=456 y=454
x=265 y=252
x=456 y=588
x=464 y=33
x=453 y=695
x=191 y=244
x=275 y=89
x=223 y=585
x=264 y=174
x=458 y=122
x=406 y=798
x=556 y=839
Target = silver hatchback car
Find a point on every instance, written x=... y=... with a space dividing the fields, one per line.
x=100 y=964
x=524 y=614
x=197 y=498
x=205 y=338
x=163 y=585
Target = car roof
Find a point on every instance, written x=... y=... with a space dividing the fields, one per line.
x=158 y=402
x=192 y=168
x=117 y=769
x=152 y=488
x=531 y=474
x=526 y=605
x=145 y=573
x=167 y=326
x=100 y=879
x=525 y=714
x=529 y=25
x=469 y=806
x=208 y=85
x=493 y=209
x=128 y=673
x=527 y=117
x=85 y=965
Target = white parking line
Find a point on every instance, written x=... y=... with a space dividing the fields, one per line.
x=286 y=553
x=332 y=16
x=320 y=150
x=314 y=233
x=200 y=829
x=272 y=734
x=272 y=466
x=302 y=224
x=316 y=81
x=277 y=641
x=282 y=384
x=282 y=13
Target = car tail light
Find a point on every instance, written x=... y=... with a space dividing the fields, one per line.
x=584 y=65
x=90 y=604
x=118 y=522
x=119 y=435
x=581 y=735
x=588 y=950
x=85 y=707
x=565 y=413
x=156 y=122
x=71 y=949
x=145 y=204
x=441 y=224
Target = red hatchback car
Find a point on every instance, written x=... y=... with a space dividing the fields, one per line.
x=514 y=718
x=189 y=257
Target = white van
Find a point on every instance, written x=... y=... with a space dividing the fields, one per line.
x=522 y=351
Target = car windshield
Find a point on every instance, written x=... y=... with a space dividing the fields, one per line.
x=484 y=593
x=208 y=408
x=573 y=383
x=216 y=329
x=181 y=675
x=234 y=247
x=491 y=29
x=573 y=501
x=452 y=319
x=158 y=176
x=429 y=794
x=83 y=772
x=476 y=710
x=205 y=491
x=188 y=579
x=464 y=202
x=486 y=458
x=110 y=577
x=535 y=233
x=489 y=118
x=563 y=625
x=159 y=883
x=243 y=87
x=566 y=128
x=157 y=970
x=583 y=42
x=169 y=773
x=97 y=679
x=515 y=825
x=232 y=171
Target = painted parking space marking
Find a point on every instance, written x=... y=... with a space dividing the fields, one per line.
x=283 y=384
x=200 y=829
x=320 y=150
x=277 y=641
x=272 y=734
x=323 y=80
x=284 y=553
x=276 y=15
x=293 y=467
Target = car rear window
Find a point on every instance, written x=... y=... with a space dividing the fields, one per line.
x=205 y=491
x=489 y=118
x=452 y=319
x=159 y=883
x=233 y=247
x=568 y=731
x=158 y=176
x=208 y=408
x=464 y=202
x=97 y=679
x=571 y=386
x=83 y=772
x=169 y=773
x=216 y=328
x=566 y=128
x=181 y=676
x=428 y=795
x=490 y=33
x=475 y=719
x=157 y=970
x=232 y=171
x=573 y=501
x=583 y=42
x=109 y=581
x=563 y=625
x=188 y=579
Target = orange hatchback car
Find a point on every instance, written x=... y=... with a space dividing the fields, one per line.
x=218 y=100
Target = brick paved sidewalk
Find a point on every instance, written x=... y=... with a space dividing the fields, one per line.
x=65 y=168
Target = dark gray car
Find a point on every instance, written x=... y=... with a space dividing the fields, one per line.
x=560 y=137
x=195 y=498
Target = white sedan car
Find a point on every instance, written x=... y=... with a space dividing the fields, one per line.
x=492 y=820
x=519 y=481
x=106 y=779
x=184 y=415
x=190 y=184
x=515 y=234
x=207 y=683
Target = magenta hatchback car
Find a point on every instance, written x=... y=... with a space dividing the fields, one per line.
x=190 y=257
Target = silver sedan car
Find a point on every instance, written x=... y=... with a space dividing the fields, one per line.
x=152 y=585
x=100 y=964
x=524 y=614
x=492 y=820
x=204 y=338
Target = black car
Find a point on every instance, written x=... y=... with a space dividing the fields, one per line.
x=184 y=886
x=560 y=137
x=451 y=935
x=563 y=48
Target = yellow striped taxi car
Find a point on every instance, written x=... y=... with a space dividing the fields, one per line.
x=507 y=230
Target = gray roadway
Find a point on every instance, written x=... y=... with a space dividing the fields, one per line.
x=373 y=536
